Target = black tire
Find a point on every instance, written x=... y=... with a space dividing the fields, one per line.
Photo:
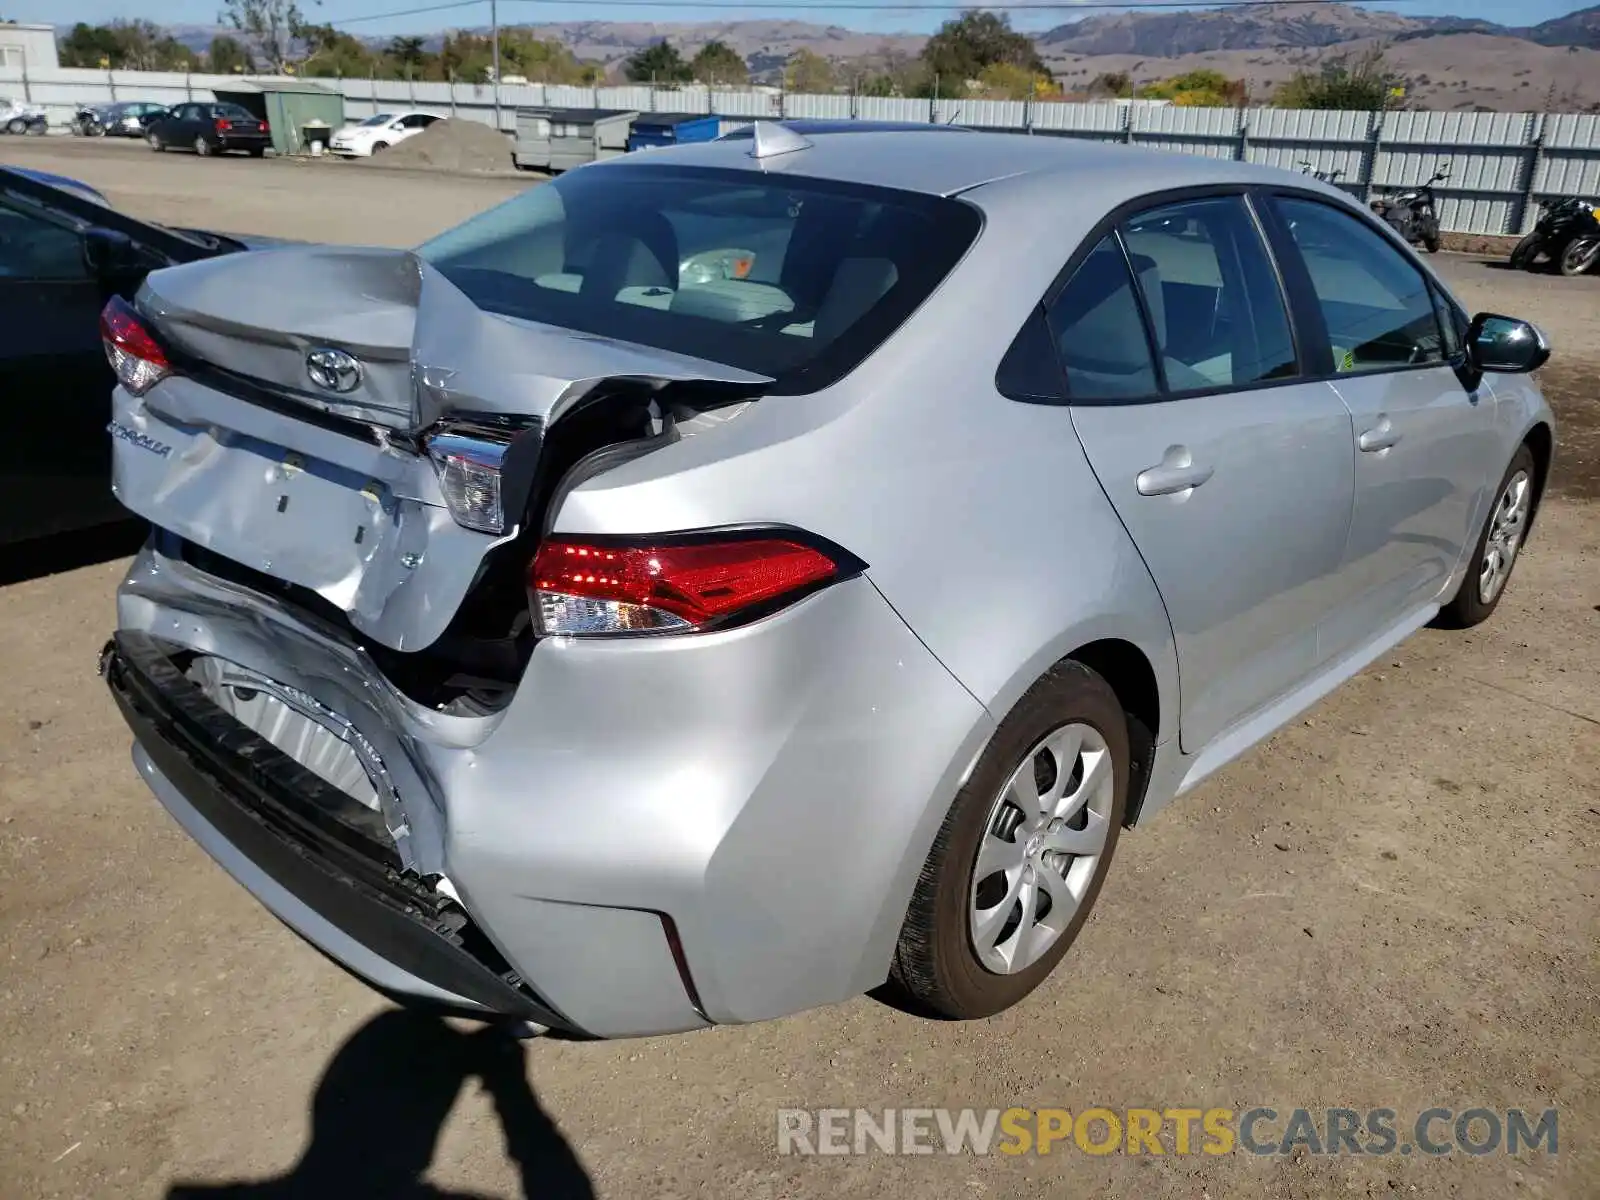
x=17 y=125
x=203 y=148
x=153 y=140
x=379 y=147
x=1526 y=252
x=258 y=152
x=936 y=966
x=1431 y=242
x=1468 y=607
x=1580 y=255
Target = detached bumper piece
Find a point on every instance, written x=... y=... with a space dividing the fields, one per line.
x=321 y=845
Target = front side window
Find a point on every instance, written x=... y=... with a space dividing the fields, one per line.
x=32 y=247
x=1378 y=308
x=1212 y=295
x=798 y=279
x=1099 y=332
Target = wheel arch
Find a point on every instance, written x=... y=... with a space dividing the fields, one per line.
x=1132 y=677
x=1541 y=441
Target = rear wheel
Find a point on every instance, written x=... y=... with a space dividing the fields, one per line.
x=1496 y=552
x=202 y=147
x=1021 y=856
x=1580 y=256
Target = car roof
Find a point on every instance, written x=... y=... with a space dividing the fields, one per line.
x=907 y=159
x=64 y=183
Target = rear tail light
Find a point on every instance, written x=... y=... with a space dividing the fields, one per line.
x=134 y=355
x=222 y=124
x=590 y=587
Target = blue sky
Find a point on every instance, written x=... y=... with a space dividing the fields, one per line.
x=65 y=12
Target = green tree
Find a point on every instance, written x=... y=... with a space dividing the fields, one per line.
x=1118 y=84
x=332 y=53
x=1198 y=89
x=272 y=26
x=228 y=56
x=90 y=46
x=808 y=71
x=659 y=62
x=409 y=54
x=543 y=60
x=963 y=47
x=1360 y=82
x=719 y=63
x=1007 y=81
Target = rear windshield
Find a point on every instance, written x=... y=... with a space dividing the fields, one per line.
x=232 y=112
x=798 y=279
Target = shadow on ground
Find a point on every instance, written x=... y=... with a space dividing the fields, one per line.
x=377 y=1113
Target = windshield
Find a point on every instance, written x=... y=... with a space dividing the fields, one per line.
x=377 y=119
x=795 y=278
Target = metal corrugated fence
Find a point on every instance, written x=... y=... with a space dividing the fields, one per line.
x=1501 y=164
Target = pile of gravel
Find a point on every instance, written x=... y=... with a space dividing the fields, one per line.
x=459 y=145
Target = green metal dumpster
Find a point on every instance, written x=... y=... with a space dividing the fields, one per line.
x=286 y=106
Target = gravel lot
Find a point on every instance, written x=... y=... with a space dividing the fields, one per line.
x=1391 y=904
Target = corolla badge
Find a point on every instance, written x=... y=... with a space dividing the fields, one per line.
x=333 y=370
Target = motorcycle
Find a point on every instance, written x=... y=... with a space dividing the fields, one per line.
x=1414 y=214
x=1561 y=223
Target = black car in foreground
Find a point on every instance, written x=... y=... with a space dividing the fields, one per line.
x=63 y=255
x=209 y=128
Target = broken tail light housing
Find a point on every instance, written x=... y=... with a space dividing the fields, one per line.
x=136 y=357
x=590 y=587
x=468 y=463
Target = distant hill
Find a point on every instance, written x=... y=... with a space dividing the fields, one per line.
x=1451 y=62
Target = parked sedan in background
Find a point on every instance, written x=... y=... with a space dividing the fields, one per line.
x=545 y=630
x=380 y=131
x=208 y=128
x=63 y=253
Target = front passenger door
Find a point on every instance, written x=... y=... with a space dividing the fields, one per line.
x=1424 y=444
x=1232 y=475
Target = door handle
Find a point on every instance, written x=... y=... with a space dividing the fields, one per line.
x=1176 y=472
x=1380 y=437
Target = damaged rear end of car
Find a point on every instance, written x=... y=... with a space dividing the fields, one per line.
x=352 y=460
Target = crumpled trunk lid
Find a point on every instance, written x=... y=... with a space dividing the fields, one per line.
x=240 y=453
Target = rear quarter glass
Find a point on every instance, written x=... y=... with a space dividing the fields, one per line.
x=794 y=278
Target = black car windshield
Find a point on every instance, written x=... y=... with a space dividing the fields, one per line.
x=794 y=278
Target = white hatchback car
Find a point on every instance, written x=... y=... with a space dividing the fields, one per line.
x=380 y=131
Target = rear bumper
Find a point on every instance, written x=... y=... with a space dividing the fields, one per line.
x=766 y=794
x=320 y=861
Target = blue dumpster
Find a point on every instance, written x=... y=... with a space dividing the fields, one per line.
x=653 y=130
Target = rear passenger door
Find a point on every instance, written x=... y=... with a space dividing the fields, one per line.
x=1233 y=476
x=1425 y=443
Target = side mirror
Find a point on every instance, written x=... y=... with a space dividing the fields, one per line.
x=1506 y=345
x=111 y=253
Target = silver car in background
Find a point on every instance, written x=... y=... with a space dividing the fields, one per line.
x=719 y=581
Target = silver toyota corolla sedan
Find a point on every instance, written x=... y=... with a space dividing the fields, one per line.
x=720 y=581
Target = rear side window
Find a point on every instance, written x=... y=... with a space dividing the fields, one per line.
x=1378 y=309
x=1099 y=332
x=794 y=278
x=1216 y=310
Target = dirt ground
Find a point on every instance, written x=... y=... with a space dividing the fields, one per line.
x=1391 y=904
